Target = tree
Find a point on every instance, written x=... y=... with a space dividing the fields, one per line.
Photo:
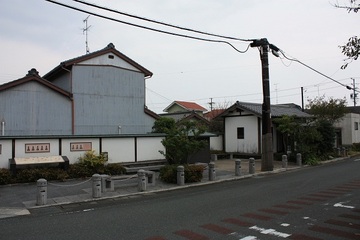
x=352 y=48
x=182 y=139
x=330 y=110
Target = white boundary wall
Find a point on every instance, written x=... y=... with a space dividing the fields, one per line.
x=120 y=149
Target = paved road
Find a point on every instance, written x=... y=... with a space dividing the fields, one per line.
x=311 y=203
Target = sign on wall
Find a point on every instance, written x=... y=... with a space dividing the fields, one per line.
x=37 y=147
x=80 y=146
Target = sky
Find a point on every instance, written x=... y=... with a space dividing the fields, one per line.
x=39 y=34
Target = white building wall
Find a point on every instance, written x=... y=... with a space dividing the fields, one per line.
x=216 y=143
x=349 y=134
x=148 y=148
x=5 y=152
x=250 y=142
x=73 y=156
x=119 y=149
x=21 y=145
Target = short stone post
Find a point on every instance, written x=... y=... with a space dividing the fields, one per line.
x=96 y=185
x=212 y=173
x=41 y=197
x=214 y=157
x=298 y=159
x=180 y=176
x=338 y=151
x=237 y=167
x=344 y=152
x=231 y=155
x=142 y=181
x=284 y=161
x=252 y=165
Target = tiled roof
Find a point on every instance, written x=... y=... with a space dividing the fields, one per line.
x=33 y=75
x=110 y=48
x=276 y=110
x=213 y=113
x=189 y=106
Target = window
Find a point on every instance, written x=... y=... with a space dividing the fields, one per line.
x=356 y=125
x=240 y=133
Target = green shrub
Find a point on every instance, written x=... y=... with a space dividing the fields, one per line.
x=79 y=171
x=5 y=176
x=114 y=169
x=193 y=173
x=93 y=161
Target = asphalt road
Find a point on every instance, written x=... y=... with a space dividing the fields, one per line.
x=320 y=202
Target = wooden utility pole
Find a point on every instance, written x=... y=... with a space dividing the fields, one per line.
x=267 y=154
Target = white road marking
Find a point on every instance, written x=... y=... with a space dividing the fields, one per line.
x=270 y=232
x=248 y=238
x=88 y=210
x=340 y=204
x=285 y=224
x=356 y=160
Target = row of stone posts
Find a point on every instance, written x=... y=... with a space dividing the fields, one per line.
x=98 y=181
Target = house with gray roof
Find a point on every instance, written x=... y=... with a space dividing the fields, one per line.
x=102 y=92
x=243 y=126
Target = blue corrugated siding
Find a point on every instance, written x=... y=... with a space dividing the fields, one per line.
x=108 y=97
x=33 y=109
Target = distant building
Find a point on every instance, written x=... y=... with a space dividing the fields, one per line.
x=98 y=93
x=243 y=126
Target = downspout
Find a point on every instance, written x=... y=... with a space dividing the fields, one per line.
x=2 y=127
x=72 y=102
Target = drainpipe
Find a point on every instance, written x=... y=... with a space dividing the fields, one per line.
x=2 y=127
x=72 y=102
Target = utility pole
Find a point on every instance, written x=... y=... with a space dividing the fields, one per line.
x=85 y=31
x=354 y=94
x=267 y=154
x=211 y=103
x=302 y=98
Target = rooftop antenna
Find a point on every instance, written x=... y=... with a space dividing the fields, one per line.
x=85 y=31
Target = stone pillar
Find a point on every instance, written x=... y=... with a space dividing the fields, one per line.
x=142 y=181
x=41 y=197
x=180 y=176
x=237 y=167
x=284 y=161
x=96 y=185
x=298 y=159
x=212 y=173
x=252 y=165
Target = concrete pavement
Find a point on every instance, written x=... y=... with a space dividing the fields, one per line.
x=17 y=199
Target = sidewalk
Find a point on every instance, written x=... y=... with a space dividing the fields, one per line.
x=15 y=200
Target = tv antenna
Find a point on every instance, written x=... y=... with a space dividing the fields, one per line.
x=85 y=31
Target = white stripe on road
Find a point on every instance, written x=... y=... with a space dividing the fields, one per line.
x=340 y=204
x=270 y=232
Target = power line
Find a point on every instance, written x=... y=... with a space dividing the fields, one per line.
x=298 y=61
x=148 y=28
x=162 y=23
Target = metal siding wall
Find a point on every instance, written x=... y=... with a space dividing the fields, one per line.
x=106 y=97
x=63 y=82
x=32 y=109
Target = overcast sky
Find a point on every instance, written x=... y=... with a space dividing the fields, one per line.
x=38 y=34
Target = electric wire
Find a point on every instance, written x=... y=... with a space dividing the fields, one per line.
x=148 y=28
x=162 y=23
x=298 y=61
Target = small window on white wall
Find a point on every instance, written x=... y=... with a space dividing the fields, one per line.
x=240 y=133
x=356 y=125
